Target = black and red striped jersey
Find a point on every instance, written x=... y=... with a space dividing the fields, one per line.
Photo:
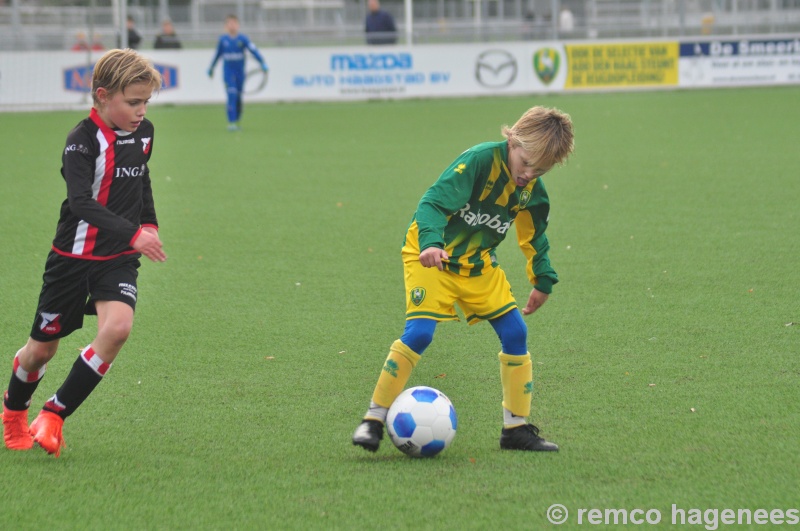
x=109 y=197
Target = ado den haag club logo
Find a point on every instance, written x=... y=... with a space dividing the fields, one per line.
x=417 y=296
x=495 y=69
x=524 y=197
x=545 y=63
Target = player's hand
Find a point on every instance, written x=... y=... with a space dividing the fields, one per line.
x=149 y=244
x=151 y=230
x=433 y=256
x=535 y=301
x=211 y=73
x=264 y=68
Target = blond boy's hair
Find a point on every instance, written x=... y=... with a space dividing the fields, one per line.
x=544 y=134
x=117 y=69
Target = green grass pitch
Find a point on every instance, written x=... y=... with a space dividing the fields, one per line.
x=665 y=363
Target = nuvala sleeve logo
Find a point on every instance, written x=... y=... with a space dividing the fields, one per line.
x=476 y=219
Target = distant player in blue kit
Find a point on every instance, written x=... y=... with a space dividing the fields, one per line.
x=231 y=48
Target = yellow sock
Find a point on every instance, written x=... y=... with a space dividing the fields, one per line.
x=516 y=375
x=394 y=376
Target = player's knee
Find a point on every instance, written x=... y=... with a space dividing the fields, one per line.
x=418 y=334
x=36 y=354
x=118 y=330
x=512 y=331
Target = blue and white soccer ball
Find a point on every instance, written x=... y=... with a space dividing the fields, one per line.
x=422 y=422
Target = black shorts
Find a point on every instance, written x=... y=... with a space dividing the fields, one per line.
x=71 y=287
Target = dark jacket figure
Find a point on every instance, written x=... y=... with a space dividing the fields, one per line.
x=134 y=37
x=167 y=39
x=380 y=27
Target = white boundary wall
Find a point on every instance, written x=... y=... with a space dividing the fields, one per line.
x=59 y=80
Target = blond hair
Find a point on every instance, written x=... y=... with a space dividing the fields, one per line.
x=117 y=69
x=544 y=134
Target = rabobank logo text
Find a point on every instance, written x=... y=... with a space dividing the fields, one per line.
x=372 y=61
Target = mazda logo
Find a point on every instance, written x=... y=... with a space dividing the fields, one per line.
x=495 y=69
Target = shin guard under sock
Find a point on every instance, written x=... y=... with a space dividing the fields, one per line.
x=395 y=373
x=22 y=386
x=86 y=373
x=516 y=375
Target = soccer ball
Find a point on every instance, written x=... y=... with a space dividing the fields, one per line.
x=422 y=422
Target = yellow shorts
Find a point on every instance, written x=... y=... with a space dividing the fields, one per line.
x=432 y=294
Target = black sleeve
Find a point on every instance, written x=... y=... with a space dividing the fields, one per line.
x=148 y=206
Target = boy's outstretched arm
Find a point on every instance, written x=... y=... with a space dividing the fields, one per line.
x=217 y=55
x=535 y=301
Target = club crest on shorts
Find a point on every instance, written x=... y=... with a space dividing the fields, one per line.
x=417 y=296
x=50 y=323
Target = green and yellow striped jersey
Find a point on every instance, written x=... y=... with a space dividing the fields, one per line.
x=469 y=209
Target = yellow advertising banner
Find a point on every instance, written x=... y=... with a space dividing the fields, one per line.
x=640 y=64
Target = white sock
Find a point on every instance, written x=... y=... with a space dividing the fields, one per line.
x=510 y=420
x=376 y=412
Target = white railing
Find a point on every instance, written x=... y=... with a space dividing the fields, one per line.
x=26 y=26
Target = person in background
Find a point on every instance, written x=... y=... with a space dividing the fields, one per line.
x=97 y=43
x=167 y=39
x=82 y=44
x=134 y=37
x=380 y=27
x=566 y=21
x=231 y=49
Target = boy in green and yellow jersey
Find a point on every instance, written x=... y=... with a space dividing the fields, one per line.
x=449 y=258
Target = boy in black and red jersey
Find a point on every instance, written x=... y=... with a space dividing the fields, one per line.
x=107 y=222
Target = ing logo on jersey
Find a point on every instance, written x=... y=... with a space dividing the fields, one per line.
x=50 y=323
x=417 y=296
x=528 y=388
x=146 y=146
x=460 y=168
